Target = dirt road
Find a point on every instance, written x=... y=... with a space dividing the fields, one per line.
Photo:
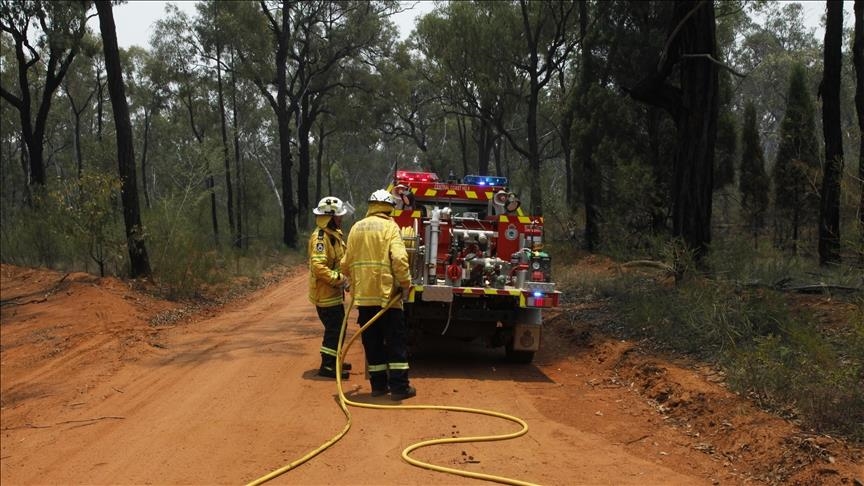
x=95 y=390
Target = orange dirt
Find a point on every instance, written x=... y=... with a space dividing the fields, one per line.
x=103 y=384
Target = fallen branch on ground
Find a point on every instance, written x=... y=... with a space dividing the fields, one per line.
x=36 y=426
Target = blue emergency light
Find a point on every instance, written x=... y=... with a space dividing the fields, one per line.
x=485 y=180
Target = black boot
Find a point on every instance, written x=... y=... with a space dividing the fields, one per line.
x=328 y=361
x=408 y=392
x=329 y=372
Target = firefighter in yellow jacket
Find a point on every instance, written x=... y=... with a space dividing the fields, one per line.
x=326 y=283
x=377 y=265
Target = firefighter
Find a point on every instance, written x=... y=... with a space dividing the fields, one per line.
x=377 y=264
x=405 y=199
x=326 y=283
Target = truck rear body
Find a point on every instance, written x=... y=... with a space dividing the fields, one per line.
x=477 y=262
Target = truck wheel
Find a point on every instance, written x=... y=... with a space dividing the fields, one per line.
x=520 y=357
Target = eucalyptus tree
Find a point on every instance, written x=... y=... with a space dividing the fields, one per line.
x=213 y=45
x=330 y=41
x=690 y=52
x=46 y=38
x=139 y=262
x=409 y=100
x=829 y=213
x=587 y=124
x=13 y=162
x=548 y=35
x=176 y=44
x=80 y=90
x=263 y=40
x=858 y=61
x=468 y=50
x=147 y=86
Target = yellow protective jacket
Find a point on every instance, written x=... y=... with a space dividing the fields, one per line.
x=376 y=261
x=326 y=248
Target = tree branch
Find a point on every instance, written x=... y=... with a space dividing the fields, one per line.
x=675 y=31
x=715 y=61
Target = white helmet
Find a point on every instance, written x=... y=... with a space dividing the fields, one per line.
x=332 y=206
x=382 y=195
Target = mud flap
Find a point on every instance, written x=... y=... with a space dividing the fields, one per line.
x=526 y=337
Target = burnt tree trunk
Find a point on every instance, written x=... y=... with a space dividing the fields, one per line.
x=691 y=48
x=462 y=130
x=139 y=262
x=693 y=184
x=858 y=61
x=590 y=171
x=486 y=140
x=284 y=109
x=829 y=214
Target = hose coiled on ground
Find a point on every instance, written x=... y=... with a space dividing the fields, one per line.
x=345 y=401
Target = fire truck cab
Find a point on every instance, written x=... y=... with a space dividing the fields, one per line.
x=477 y=261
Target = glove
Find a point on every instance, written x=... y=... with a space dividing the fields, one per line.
x=406 y=291
x=346 y=285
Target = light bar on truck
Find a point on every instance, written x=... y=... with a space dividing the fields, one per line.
x=404 y=175
x=484 y=180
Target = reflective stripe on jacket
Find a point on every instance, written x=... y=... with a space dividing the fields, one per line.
x=326 y=249
x=376 y=261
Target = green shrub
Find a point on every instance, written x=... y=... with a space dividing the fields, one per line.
x=797 y=355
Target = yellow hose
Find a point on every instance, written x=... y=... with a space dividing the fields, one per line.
x=343 y=401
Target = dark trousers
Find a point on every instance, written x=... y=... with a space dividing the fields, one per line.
x=386 y=348
x=332 y=318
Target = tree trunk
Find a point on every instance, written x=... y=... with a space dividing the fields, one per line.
x=25 y=169
x=79 y=158
x=209 y=181
x=858 y=61
x=304 y=126
x=536 y=207
x=590 y=173
x=239 y=240
x=33 y=131
x=697 y=125
x=139 y=262
x=462 y=130
x=283 y=116
x=100 y=96
x=694 y=107
x=829 y=214
x=144 y=146
x=659 y=201
x=484 y=146
x=319 y=163
x=229 y=189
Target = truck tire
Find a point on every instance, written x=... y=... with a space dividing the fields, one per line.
x=518 y=356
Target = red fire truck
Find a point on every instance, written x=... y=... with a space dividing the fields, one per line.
x=477 y=261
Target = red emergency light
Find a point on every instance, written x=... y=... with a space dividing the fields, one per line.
x=404 y=175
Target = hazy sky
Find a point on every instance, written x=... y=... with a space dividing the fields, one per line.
x=135 y=18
